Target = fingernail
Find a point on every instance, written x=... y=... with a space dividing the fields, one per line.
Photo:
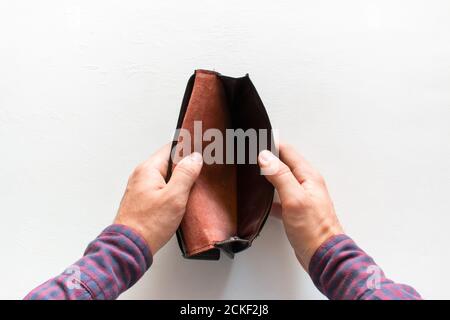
x=266 y=157
x=196 y=157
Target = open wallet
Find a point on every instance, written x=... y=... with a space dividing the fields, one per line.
x=230 y=200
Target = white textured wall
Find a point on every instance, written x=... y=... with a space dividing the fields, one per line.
x=90 y=88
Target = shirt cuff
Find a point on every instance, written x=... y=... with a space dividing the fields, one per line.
x=114 y=262
x=319 y=260
x=134 y=236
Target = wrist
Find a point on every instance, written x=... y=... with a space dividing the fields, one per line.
x=139 y=231
x=135 y=237
x=305 y=253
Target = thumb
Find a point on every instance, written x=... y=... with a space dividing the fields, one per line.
x=280 y=176
x=185 y=173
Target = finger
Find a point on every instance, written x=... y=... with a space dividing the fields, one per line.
x=185 y=174
x=159 y=160
x=301 y=168
x=280 y=176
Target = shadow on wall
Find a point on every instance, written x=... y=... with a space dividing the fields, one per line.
x=267 y=270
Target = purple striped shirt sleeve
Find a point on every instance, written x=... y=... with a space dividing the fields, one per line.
x=111 y=264
x=342 y=271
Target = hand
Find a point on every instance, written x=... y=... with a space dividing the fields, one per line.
x=152 y=207
x=306 y=208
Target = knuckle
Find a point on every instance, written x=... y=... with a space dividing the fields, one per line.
x=283 y=170
x=178 y=203
x=297 y=172
x=139 y=169
x=293 y=203
x=185 y=170
x=319 y=178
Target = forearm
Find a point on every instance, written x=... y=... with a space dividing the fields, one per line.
x=111 y=264
x=342 y=271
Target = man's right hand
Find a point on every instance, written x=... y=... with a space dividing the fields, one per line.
x=307 y=210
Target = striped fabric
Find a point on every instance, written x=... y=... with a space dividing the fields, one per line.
x=119 y=257
x=342 y=271
x=112 y=263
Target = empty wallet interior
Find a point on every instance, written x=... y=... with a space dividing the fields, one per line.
x=229 y=202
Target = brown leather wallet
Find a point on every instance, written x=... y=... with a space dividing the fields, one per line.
x=229 y=202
